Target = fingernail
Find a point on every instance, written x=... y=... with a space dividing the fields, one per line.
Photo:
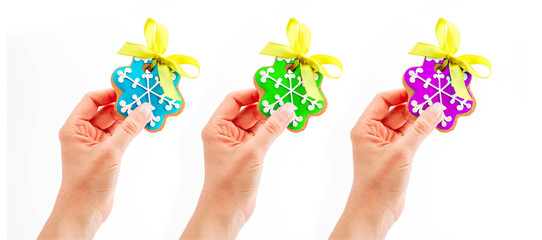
x=143 y=111
x=435 y=111
x=286 y=111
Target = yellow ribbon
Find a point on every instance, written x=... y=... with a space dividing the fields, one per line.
x=157 y=38
x=299 y=36
x=448 y=40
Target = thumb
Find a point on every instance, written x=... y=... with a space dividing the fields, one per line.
x=423 y=126
x=274 y=126
x=131 y=126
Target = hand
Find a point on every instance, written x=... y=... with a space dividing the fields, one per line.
x=235 y=142
x=384 y=142
x=93 y=141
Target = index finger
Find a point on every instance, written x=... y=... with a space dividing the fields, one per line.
x=88 y=106
x=379 y=107
x=230 y=107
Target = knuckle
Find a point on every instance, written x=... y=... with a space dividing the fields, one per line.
x=379 y=95
x=422 y=127
x=130 y=128
x=229 y=95
x=272 y=127
x=87 y=95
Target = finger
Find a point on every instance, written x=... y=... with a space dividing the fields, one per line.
x=229 y=108
x=87 y=107
x=273 y=127
x=254 y=129
x=382 y=102
x=402 y=130
x=105 y=117
x=131 y=127
x=113 y=128
x=249 y=116
x=397 y=117
x=423 y=126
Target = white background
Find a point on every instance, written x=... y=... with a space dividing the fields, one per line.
x=489 y=188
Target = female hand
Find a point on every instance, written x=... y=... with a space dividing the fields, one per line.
x=384 y=142
x=93 y=141
x=235 y=142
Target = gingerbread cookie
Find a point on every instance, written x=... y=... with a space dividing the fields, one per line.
x=151 y=77
x=294 y=77
x=136 y=85
x=443 y=77
x=278 y=85
x=427 y=85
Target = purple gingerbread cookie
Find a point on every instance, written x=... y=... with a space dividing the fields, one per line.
x=426 y=85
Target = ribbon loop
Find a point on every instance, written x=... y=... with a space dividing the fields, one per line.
x=157 y=37
x=448 y=39
x=299 y=36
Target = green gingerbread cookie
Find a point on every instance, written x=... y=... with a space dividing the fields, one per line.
x=278 y=85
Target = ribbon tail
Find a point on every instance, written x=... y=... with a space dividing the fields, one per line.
x=316 y=61
x=466 y=61
x=167 y=83
x=174 y=61
x=458 y=82
x=307 y=76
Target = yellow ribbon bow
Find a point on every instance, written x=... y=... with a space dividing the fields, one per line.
x=157 y=38
x=299 y=36
x=448 y=39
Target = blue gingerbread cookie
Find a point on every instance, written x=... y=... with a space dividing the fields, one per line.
x=135 y=85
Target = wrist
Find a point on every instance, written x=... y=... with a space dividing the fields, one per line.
x=362 y=219
x=71 y=219
x=214 y=218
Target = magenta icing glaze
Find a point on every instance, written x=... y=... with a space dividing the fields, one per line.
x=429 y=86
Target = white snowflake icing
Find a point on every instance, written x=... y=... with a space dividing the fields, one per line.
x=270 y=107
x=145 y=60
x=437 y=60
x=429 y=100
x=127 y=107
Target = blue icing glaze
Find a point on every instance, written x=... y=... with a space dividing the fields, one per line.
x=139 y=87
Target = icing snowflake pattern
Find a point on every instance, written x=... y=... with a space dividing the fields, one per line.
x=432 y=86
x=282 y=86
x=141 y=86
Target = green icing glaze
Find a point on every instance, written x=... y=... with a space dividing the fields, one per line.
x=282 y=86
